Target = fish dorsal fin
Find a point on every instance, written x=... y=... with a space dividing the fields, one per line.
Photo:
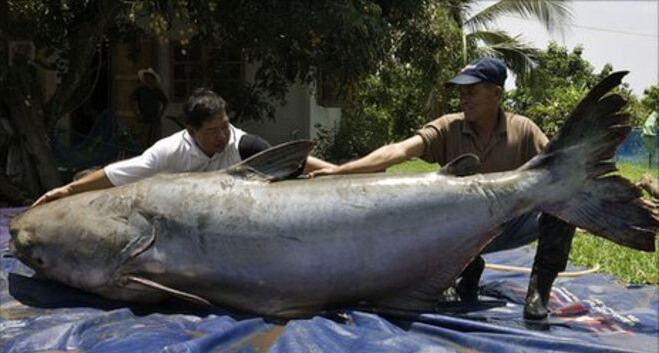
x=283 y=161
x=466 y=164
x=171 y=291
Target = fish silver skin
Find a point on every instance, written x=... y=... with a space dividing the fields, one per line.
x=243 y=239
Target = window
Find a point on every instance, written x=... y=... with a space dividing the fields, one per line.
x=227 y=71
x=188 y=69
x=197 y=65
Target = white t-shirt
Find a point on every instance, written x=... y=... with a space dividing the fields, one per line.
x=174 y=154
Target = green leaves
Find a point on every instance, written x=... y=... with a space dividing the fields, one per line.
x=518 y=54
x=556 y=85
x=481 y=39
x=550 y=13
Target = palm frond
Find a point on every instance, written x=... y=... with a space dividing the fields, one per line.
x=552 y=14
x=519 y=55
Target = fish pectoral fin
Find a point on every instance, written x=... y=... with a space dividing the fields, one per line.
x=177 y=293
x=284 y=161
x=426 y=295
x=466 y=164
x=141 y=232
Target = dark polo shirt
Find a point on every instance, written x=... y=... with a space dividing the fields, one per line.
x=516 y=140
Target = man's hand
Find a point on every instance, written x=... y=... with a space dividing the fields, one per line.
x=325 y=171
x=95 y=180
x=53 y=194
x=650 y=184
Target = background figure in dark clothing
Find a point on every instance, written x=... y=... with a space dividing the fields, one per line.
x=148 y=103
x=82 y=122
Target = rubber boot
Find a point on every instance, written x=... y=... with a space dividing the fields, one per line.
x=467 y=288
x=537 y=296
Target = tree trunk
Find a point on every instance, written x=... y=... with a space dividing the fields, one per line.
x=11 y=193
x=83 y=44
x=20 y=96
x=33 y=120
x=20 y=169
x=28 y=122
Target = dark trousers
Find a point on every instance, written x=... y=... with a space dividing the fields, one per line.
x=150 y=133
x=554 y=239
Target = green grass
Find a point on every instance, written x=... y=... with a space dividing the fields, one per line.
x=413 y=166
x=627 y=265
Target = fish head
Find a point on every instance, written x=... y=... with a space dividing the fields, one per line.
x=78 y=246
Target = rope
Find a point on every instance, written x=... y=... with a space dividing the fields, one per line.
x=507 y=268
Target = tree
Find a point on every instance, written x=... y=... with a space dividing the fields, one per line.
x=560 y=80
x=650 y=98
x=342 y=41
x=409 y=88
x=479 y=39
x=68 y=31
x=405 y=92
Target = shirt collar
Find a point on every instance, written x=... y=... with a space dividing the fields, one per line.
x=500 y=128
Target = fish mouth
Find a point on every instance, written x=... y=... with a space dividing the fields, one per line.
x=23 y=250
x=19 y=243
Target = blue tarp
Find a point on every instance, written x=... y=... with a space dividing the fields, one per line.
x=634 y=150
x=591 y=313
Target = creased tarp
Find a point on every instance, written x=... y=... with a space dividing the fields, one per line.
x=591 y=314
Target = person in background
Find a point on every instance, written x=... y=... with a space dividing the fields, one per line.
x=648 y=135
x=209 y=142
x=82 y=122
x=148 y=102
x=502 y=141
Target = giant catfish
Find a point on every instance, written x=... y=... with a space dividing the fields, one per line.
x=252 y=239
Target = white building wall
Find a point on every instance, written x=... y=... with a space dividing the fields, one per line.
x=320 y=116
x=297 y=119
x=291 y=119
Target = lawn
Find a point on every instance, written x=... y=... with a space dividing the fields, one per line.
x=627 y=265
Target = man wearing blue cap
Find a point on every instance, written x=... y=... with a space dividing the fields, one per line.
x=502 y=141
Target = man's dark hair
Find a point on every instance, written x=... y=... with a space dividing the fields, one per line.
x=202 y=105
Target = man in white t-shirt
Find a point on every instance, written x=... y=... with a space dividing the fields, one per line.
x=209 y=142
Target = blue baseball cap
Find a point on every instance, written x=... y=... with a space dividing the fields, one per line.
x=483 y=69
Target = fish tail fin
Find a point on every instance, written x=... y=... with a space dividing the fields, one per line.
x=579 y=161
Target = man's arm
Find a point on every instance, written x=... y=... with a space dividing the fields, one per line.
x=380 y=159
x=314 y=163
x=250 y=145
x=164 y=102
x=94 y=181
x=134 y=104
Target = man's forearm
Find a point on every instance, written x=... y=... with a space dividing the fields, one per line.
x=380 y=159
x=377 y=161
x=314 y=163
x=386 y=156
x=93 y=181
